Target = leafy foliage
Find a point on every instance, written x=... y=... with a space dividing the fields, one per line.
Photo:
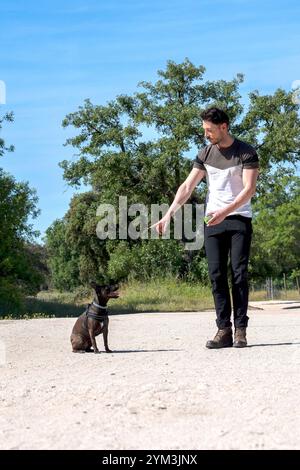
x=18 y=265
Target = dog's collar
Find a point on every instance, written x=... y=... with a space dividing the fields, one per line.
x=99 y=306
x=97 y=315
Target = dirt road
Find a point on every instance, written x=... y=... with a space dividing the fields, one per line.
x=159 y=389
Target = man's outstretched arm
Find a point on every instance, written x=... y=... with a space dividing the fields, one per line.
x=183 y=193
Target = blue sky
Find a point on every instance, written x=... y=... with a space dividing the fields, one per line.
x=54 y=54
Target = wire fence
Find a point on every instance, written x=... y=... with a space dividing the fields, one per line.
x=273 y=289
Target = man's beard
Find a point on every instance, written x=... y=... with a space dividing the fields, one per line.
x=215 y=140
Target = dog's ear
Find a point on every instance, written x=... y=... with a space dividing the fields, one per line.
x=93 y=284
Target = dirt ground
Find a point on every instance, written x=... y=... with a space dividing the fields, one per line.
x=159 y=389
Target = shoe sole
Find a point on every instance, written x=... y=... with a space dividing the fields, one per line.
x=219 y=347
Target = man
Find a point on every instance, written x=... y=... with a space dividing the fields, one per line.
x=230 y=167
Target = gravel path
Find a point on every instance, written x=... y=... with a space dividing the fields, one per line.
x=159 y=389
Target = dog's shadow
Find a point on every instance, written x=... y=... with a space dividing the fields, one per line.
x=122 y=351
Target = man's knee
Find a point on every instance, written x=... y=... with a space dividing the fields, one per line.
x=239 y=277
x=218 y=279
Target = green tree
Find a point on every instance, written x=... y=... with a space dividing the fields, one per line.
x=276 y=244
x=62 y=259
x=75 y=255
x=9 y=117
x=19 y=275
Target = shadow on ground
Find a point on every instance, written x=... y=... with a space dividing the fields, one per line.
x=126 y=351
x=44 y=308
x=36 y=308
x=292 y=307
x=271 y=344
x=50 y=308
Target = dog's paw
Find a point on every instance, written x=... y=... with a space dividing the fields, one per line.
x=97 y=351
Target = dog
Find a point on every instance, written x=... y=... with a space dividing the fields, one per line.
x=94 y=320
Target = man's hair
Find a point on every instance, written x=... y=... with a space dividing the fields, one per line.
x=215 y=115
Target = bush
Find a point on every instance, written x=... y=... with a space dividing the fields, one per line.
x=153 y=258
x=10 y=298
x=198 y=270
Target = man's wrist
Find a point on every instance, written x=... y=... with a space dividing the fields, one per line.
x=228 y=210
x=172 y=211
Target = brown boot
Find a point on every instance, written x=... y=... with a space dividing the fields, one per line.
x=223 y=339
x=240 y=340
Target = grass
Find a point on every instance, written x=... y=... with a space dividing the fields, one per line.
x=165 y=295
x=153 y=296
x=291 y=294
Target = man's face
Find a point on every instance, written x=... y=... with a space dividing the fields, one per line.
x=214 y=132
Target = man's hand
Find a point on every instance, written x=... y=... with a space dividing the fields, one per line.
x=162 y=224
x=216 y=217
x=183 y=193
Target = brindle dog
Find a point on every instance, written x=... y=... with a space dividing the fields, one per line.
x=94 y=320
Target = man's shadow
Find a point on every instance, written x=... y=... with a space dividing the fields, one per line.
x=271 y=344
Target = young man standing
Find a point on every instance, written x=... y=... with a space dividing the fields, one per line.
x=230 y=167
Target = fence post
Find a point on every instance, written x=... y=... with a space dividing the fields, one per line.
x=284 y=285
x=269 y=288
x=272 y=291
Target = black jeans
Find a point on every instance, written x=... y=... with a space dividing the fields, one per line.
x=232 y=237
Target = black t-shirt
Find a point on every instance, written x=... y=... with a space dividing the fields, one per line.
x=224 y=170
